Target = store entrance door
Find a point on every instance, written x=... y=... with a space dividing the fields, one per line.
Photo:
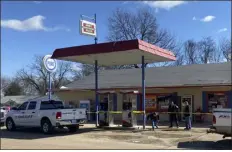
x=189 y=99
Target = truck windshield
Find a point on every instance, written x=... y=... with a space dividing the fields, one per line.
x=51 y=105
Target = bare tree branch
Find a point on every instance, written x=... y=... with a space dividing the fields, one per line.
x=225 y=46
x=126 y=25
x=35 y=77
x=191 y=54
x=206 y=48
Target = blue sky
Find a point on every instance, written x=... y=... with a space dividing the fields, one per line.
x=38 y=27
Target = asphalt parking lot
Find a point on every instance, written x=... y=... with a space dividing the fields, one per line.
x=89 y=137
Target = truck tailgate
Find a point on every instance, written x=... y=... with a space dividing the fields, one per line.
x=223 y=117
x=71 y=114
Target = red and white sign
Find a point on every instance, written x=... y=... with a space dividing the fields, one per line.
x=87 y=28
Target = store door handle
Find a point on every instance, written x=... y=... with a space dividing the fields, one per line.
x=33 y=112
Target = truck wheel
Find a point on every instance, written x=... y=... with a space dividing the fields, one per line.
x=61 y=127
x=10 y=125
x=46 y=127
x=73 y=128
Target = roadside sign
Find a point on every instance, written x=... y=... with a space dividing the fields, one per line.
x=49 y=63
x=87 y=28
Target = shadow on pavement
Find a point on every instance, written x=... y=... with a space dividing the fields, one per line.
x=35 y=133
x=225 y=144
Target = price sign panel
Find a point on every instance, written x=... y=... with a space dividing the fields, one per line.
x=88 y=28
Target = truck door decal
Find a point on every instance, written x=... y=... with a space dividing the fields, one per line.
x=224 y=116
x=23 y=116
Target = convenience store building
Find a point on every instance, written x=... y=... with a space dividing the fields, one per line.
x=204 y=86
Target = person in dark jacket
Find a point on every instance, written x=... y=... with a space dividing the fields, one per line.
x=154 y=119
x=187 y=116
x=173 y=115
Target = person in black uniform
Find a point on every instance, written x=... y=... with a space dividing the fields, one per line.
x=187 y=116
x=173 y=115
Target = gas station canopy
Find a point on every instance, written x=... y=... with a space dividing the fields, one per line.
x=115 y=53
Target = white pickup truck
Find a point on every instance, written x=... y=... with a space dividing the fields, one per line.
x=221 y=122
x=45 y=114
x=3 y=112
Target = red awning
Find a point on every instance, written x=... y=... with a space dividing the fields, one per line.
x=115 y=53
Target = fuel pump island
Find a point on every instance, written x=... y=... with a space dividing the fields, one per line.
x=111 y=54
x=108 y=108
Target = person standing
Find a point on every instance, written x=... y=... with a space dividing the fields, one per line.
x=173 y=115
x=187 y=116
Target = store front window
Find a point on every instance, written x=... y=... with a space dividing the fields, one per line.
x=216 y=100
x=163 y=102
x=157 y=102
x=151 y=103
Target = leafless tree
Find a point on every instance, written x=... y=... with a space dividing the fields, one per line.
x=206 y=48
x=191 y=54
x=35 y=77
x=13 y=89
x=4 y=82
x=126 y=25
x=84 y=70
x=225 y=46
x=178 y=51
x=217 y=56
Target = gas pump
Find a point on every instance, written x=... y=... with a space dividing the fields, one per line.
x=103 y=108
x=129 y=119
x=106 y=105
x=126 y=114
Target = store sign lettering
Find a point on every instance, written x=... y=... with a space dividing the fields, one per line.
x=88 y=30
x=88 y=25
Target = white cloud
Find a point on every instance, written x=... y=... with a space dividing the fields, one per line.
x=37 y=2
x=222 y=30
x=35 y=23
x=164 y=4
x=208 y=18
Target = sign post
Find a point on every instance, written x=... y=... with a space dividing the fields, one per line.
x=89 y=28
x=51 y=66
